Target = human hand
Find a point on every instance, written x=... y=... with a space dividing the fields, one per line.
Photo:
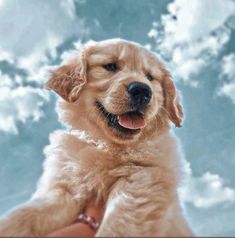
x=79 y=229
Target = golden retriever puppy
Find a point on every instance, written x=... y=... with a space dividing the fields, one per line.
x=118 y=99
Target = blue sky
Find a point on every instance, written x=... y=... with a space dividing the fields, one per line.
x=196 y=40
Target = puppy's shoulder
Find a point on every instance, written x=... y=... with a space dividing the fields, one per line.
x=62 y=140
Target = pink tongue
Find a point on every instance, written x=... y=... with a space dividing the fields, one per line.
x=131 y=121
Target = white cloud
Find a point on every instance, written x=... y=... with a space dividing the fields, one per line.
x=190 y=35
x=69 y=5
x=5 y=80
x=66 y=55
x=194 y=20
x=227 y=68
x=6 y=56
x=205 y=191
x=228 y=76
x=19 y=105
x=31 y=37
x=228 y=90
x=31 y=32
x=37 y=63
x=42 y=74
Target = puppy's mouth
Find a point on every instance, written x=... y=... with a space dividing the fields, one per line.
x=129 y=122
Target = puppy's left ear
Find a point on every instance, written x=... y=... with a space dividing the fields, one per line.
x=68 y=80
x=172 y=104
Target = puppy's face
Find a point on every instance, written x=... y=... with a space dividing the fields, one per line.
x=116 y=87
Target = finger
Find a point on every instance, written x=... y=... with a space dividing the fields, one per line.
x=75 y=230
x=95 y=210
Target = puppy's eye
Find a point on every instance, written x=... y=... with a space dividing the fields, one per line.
x=111 y=67
x=149 y=77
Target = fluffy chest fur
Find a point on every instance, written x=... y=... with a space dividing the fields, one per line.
x=91 y=167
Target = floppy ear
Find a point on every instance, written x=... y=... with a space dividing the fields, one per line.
x=172 y=104
x=68 y=80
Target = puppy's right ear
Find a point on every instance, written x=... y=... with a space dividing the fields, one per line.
x=172 y=104
x=68 y=80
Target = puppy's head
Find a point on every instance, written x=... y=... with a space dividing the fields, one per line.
x=116 y=88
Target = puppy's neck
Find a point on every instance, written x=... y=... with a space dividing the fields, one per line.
x=87 y=138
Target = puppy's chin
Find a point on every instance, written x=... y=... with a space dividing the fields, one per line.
x=122 y=127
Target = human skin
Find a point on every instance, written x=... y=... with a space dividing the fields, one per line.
x=79 y=229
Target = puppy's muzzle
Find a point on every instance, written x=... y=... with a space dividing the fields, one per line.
x=140 y=95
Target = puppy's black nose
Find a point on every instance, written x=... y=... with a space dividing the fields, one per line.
x=140 y=94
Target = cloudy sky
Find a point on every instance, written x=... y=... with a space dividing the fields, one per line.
x=196 y=40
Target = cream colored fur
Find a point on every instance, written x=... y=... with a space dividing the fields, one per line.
x=136 y=176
